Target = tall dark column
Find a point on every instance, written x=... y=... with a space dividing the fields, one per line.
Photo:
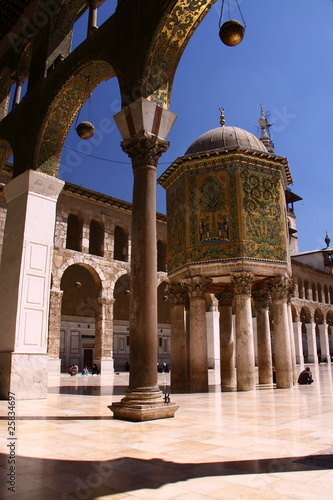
x=245 y=363
x=53 y=344
x=198 y=355
x=143 y=400
x=279 y=289
x=179 y=342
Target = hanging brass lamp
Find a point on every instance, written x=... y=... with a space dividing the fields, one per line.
x=232 y=31
x=85 y=130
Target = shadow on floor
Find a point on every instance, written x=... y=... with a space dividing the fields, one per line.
x=75 y=479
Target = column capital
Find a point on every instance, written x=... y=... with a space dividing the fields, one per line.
x=197 y=286
x=105 y=301
x=144 y=149
x=177 y=293
x=279 y=287
x=225 y=298
x=242 y=282
x=261 y=298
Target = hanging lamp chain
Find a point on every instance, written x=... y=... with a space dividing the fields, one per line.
x=229 y=16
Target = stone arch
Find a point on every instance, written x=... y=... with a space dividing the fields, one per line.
x=319 y=317
x=176 y=28
x=87 y=262
x=305 y=315
x=62 y=110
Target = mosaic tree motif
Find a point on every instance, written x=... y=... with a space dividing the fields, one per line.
x=213 y=225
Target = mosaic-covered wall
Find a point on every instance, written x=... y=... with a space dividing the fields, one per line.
x=226 y=212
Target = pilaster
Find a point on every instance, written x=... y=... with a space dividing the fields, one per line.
x=25 y=275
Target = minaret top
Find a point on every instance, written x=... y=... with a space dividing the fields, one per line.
x=222 y=119
x=265 y=135
x=327 y=240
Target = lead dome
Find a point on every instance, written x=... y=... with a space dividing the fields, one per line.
x=225 y=137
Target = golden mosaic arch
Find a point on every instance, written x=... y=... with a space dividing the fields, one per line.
x=183 y=18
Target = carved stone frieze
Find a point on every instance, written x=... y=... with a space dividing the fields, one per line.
x=144 y=149
x=242 y=282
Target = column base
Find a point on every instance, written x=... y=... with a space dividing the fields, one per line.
x=141 y=413
x=141 y=404
x=54 y=366
x=228 y=388
x=105 y=366
x=24 y=375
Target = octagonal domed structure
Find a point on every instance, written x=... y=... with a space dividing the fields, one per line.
x=225 y=138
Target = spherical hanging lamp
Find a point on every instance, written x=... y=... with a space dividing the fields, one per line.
x=85 y=130
x=232 y=31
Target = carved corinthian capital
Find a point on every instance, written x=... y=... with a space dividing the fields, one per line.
x=242 y=282
x=144 y=149
x=197 y=286
x=225 y=299
x=177 y=293
x=261 y=298
x=279 y=287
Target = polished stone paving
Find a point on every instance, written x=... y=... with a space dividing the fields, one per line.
x=268 y=444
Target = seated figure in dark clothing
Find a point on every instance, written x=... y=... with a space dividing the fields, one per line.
x=305 y=377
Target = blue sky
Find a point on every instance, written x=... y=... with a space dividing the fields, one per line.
x=283 y=63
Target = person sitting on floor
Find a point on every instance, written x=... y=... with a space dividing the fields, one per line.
x=305 y=377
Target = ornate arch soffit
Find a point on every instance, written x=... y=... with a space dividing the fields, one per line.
x=62 y=111
x=5 y=152
x=177 y=28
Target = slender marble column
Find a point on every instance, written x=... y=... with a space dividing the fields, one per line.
x=312 y=341
x=291 y=294
x=265 y=365
x=179 y=343
x=53 y=347
x=143 y=125
x=103 y=335
x=298 y=342
x=324 y=344
x=245 y=362
x=227 y=342
x=198 y=355
x=279 y=289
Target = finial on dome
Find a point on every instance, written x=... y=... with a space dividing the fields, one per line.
x=327 y=240
x=265 y=135
x=222 y=119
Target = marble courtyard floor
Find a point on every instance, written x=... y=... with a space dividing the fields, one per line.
x=267 y=444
